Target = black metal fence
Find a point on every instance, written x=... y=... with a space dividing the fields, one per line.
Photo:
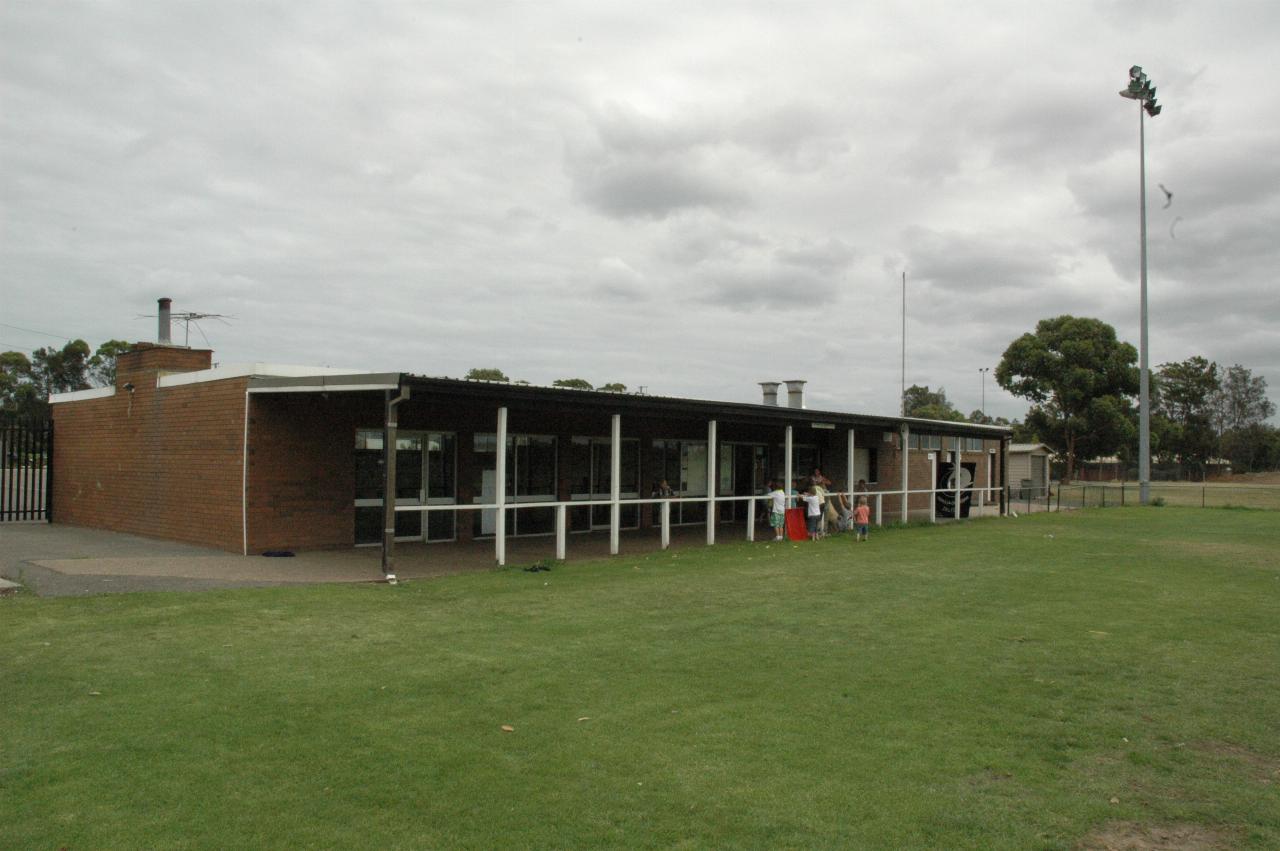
x=1192 y=494
x=26 y=449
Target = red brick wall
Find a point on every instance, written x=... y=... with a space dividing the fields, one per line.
x=919 y=474
x=149 y=360
x=162 y=462
x=169 y=462
x=302 y=468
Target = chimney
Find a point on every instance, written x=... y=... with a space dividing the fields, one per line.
x=795 y=394
x=163 y=337
x=770 y=389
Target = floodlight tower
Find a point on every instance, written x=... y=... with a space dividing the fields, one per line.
x=1141 y=90
x=983 y=370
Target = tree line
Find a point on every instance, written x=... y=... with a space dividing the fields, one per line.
x=492 y=373
x=27 y=382
x=1080 y=379
x=1082 y=383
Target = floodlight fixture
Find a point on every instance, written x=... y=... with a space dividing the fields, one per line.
x=1141 y=89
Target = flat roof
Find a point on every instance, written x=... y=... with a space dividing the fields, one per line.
x=604 y=400
x=283 y=378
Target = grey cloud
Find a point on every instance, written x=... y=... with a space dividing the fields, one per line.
x=832 y=255
x=641 y=167
x=796 y=135
x=654 y=189
x=695 y=239
x=974 y=262
x=750 y=289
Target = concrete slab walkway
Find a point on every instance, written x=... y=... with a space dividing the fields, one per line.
x=58 y=560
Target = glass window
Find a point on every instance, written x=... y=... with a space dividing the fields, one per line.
x=926 y=441
x=531 y=477
x=408 y=467
x=534 y=469
x=368 y=464
x=725 y=470
x=441 y=465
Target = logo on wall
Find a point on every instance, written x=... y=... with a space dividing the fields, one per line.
x=945 y=499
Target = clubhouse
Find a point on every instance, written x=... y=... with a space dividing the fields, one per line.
x=256 y=458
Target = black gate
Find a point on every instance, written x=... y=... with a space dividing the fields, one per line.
x=26 y=450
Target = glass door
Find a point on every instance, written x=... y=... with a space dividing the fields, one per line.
x=425 y=465
x=682 y=464
x=531 y=477
x=724 y=485
x=590 y=472
x=441 y=475
x=693 y=481
x=741 y=473
x=602 y=481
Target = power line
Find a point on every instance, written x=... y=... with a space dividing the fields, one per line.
x=34 y=331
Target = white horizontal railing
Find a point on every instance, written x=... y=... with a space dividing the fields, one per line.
x=984 y=498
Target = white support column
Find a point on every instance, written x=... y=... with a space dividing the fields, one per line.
x=500 y=488
x=879 y=509
x=851 y=479
x=562 y=514
x=751 y=519
x=933 y=487
x=615 y=483
x=955 y=471
x=712 y=481
x=1004 y=477
x=786 y=467
x=905 y=434
x=991 y=473
x=666 y=523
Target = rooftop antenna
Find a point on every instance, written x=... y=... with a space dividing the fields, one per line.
x=187 y=318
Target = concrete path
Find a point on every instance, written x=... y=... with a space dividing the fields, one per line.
x=54 y=560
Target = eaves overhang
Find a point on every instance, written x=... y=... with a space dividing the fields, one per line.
x=352 y=383
x=504 y=393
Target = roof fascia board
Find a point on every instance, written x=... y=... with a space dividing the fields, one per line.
x=499 y=392
x=82 y=395
x=249 y=370
x=345 y=383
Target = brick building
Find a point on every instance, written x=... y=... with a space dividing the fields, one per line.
x=258 y=457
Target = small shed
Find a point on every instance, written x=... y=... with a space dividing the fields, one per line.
x=1029 y=469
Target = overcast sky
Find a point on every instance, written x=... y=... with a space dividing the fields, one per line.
x=688 y=197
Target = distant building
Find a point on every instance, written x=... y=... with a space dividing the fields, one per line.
x=1029 y=469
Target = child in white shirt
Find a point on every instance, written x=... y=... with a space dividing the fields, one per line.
x=813 y=516
x=777 y=509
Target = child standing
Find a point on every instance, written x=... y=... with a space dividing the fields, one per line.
x=814 y=514
x=861 y=518
x=777 y=509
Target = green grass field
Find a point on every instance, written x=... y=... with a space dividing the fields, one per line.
x=1055 y=681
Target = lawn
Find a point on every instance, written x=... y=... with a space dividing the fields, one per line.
x=1052 y=681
